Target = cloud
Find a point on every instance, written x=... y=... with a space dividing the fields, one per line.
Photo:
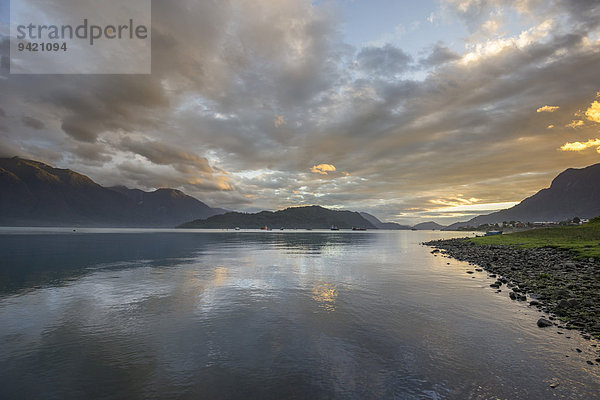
x=549 y=109
x=141 y=173
x=477 y=209
x=493 y=47
x=107 y=104
x=322 y=169
x=403 y=125
x=4 y=55
x=593 y=112
x=576 y=123
x=579 y=146
x=279 y=121
x=164 y=154
x=387 y=61
x=33 y=123
x=439 y=55
x=476 y=12
x=7 y=150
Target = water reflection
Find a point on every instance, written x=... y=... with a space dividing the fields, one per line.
x=29 y=261
x=261 y=315
x=325 y=294
x=220 y=276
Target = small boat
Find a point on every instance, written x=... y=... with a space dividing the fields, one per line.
x=493 y=233
x=281 y=228
x=237 y=228
x=357 y=228
x=413 y=229
x=334 y=228
x=264 y=228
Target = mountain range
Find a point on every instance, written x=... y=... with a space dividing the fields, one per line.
x=35 y=194
x=428 y=226
x=383 y=225
x=573 y=193
x=309 y=217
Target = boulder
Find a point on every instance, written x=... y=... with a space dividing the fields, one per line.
x=543 y=323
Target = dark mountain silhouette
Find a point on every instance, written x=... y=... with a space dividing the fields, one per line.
x=383 y=225
x=573 y=193
x=428 y=226
x=310 y=217
x=35 y=194
x=168 y=205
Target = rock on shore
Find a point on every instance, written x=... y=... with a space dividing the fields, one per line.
x=561 y=285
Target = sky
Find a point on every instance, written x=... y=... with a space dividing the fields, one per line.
x=412 y=111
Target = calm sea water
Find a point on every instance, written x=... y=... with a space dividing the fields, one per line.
x=267 y=315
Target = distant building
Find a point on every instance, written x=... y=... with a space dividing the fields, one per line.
x=546 y=223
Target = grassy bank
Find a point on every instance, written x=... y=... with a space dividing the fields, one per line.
x=583 y=240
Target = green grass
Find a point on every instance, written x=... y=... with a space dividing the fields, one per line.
x=583 y=240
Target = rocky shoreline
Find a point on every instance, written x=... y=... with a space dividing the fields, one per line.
x=554 y=281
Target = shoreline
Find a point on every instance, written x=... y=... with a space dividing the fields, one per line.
x=565 y=288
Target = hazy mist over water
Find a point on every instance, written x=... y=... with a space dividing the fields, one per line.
x=240 y=315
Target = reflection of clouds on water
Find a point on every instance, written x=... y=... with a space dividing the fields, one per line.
x=325 y=294
x=220 y=276
x=107 y=302
x=373 y=315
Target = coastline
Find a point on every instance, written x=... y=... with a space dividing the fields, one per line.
x=554 y=281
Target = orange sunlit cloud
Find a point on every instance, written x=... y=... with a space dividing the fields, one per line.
x=471 y=208
x=593 y=113
x=575 y=124
x=279 y=121
x=579 y=146
x=456 y=201
x=323 y=169
x=548 y=109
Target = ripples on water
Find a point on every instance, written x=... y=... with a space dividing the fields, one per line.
x=240 y=315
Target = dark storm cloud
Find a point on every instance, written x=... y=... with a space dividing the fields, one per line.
x=252 y=69
x=94 y=154
x=32 y=123
x=164 y=154
x=80 y=130
x=93 y=105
